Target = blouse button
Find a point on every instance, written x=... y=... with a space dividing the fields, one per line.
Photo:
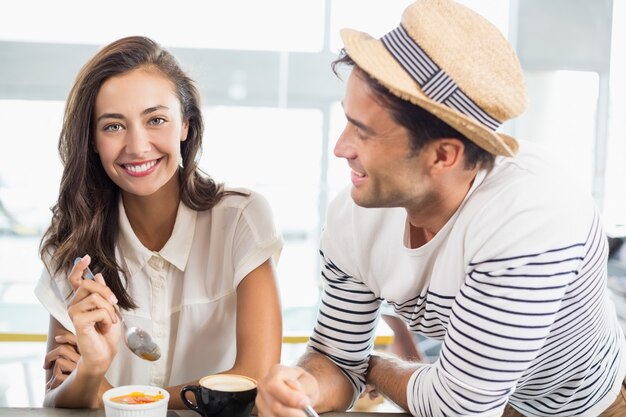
x=156 y=262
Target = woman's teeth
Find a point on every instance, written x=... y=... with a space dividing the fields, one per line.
x=141 y=167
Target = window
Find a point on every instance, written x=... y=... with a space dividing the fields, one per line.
x=562 y=116
x=615 y=194
x=274 y=25
x=276 y=152
x=30 y=171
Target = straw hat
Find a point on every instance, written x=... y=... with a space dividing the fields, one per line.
x=453 y=63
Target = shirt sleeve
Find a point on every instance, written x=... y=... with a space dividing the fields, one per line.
x=346 y=323
x=255 y=239
x=349 y=311
x=52 y=293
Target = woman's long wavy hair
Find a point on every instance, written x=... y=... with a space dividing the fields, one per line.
x=85 y=216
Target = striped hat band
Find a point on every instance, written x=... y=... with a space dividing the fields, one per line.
x=434 y=81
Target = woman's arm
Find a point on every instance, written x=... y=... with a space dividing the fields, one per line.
x=259 y=323
x=259 y=327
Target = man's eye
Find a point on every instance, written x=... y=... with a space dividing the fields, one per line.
x=157 y=121
x=359 y=133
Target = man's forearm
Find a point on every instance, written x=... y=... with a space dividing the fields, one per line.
x=335 y=390
x=390 y=376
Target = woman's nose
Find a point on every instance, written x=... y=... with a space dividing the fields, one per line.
x=138 y=141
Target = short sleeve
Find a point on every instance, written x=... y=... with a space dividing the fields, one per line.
x=255 y=239
x=52 y=294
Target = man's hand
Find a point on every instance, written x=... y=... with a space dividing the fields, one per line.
x=370 y=391
x=369 y=399
x=285 y=391
x=390 y=375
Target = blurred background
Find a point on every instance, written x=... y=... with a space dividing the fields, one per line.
x=272 y=113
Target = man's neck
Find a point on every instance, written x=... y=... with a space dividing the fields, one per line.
x=427 y=221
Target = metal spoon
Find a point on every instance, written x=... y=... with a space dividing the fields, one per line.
x=310 y=412
x=137 y=340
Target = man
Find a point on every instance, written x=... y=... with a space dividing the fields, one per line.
x=474 y=239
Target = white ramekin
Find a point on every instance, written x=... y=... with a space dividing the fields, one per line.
x=155 y=409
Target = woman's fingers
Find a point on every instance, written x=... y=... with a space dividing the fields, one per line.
x=76 y=274
x=64 y=351
x=63 y=360
x=63 y=366
x=88 y=286
x=99 y=278
x=77 y=281
x=99 y=320
x=69 y=338
x=55 y=381
x=92 y=295
x=52 y=383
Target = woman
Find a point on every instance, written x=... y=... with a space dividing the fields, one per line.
x=183 y=258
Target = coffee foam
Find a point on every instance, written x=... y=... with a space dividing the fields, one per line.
x=230 y=383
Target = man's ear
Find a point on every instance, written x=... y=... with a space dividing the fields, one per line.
x=448 y=153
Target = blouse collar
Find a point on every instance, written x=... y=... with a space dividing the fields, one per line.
x=176 y=250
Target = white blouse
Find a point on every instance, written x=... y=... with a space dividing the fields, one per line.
x=186 y=292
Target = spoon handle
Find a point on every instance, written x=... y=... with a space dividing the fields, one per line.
x=87 y=274
x=310 y=412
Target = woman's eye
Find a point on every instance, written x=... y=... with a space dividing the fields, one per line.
x=114 y=127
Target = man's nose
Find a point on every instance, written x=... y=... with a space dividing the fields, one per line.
x=343 y=148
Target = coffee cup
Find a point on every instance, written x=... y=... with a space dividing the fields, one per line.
x=221 y=395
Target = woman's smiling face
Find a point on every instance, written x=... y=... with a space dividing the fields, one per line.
x=138 y=130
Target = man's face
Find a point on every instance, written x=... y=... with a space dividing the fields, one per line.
x=385 y=170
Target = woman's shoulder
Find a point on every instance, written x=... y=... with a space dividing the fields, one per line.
x=238 y=200
x=240 y=197
x=240 y=209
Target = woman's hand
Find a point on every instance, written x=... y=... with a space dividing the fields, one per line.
x=92 y=309
x=62 y=360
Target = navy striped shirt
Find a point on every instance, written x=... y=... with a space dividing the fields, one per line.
x=514 y=285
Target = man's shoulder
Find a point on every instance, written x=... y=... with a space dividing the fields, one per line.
x=526 y=203
x=533 y=178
